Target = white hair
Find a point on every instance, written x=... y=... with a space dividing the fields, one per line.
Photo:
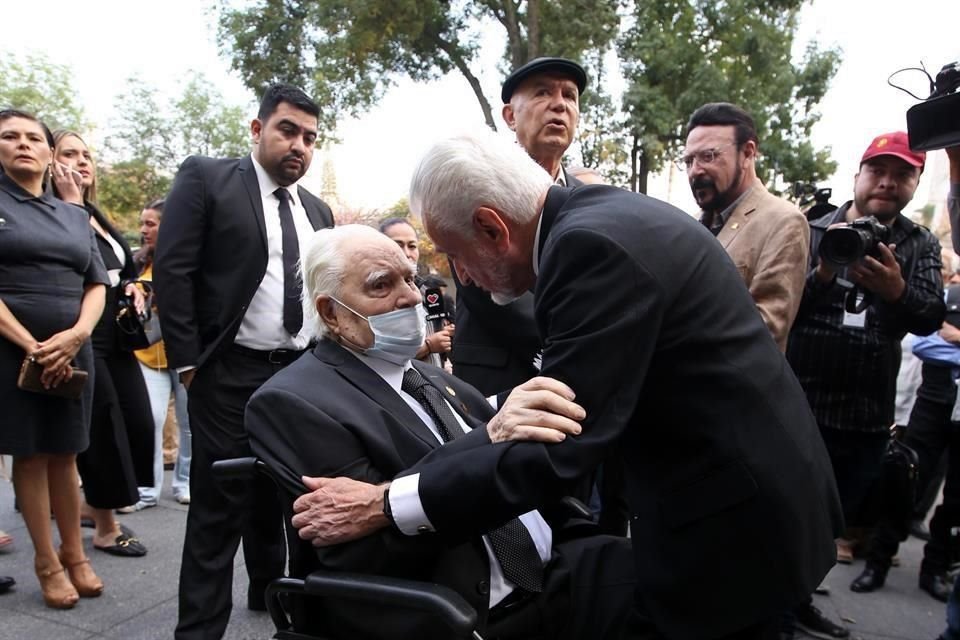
x=324 y=264
x=463 y=173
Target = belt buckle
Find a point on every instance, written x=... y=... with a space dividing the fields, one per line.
x=276 y=356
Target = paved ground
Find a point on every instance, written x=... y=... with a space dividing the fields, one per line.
x=140 y=600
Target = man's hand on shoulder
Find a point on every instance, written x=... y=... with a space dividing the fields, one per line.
x=541 y=409
x=338 y=510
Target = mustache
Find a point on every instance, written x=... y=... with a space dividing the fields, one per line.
x=703 y=183
x=292 y=156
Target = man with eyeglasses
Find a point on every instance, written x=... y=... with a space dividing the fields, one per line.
x=766 y=237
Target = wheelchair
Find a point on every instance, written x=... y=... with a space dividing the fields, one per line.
x=290 y=599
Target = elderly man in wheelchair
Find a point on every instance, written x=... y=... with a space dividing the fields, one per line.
x=358 y=406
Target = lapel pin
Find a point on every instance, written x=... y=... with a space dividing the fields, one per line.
x=451 y=391
x=735 y=226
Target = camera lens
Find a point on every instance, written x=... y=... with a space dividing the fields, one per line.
x=842 y=246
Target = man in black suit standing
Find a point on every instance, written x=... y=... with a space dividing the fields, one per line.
x=496 y=347
x=732 y=501
x=358 y=405
x=226 y=263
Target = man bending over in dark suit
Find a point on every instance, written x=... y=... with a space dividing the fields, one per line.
x=357 y=406
x=643 y=314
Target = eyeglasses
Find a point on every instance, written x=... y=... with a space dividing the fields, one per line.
x=707 y=156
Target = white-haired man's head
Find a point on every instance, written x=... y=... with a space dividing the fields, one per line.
x=360 y=267
x=479 y=196
x=463 y=173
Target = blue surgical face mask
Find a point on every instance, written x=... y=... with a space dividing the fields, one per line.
x=397 y=335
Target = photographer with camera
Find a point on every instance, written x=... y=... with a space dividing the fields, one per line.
x=874 y=276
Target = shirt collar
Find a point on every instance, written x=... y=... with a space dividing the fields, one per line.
x=536 y=246
x=391 y=373
x=268 y=185
x=561 y=180
x=16 y=191
x=724 y=215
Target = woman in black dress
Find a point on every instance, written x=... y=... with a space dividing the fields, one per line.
x=120 y=456
x=51 y=296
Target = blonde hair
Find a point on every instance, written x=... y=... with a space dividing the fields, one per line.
x=89 y=193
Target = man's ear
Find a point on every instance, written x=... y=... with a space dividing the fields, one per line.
x=490 y=227
x=750 y=150
x=256 y=128
x=326 y=309
x=509 y=116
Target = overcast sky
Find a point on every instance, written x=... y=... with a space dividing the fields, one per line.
x=106 y=41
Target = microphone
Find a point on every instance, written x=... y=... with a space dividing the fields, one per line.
x=436 y=313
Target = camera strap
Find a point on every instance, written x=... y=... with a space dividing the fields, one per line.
x=857 y=300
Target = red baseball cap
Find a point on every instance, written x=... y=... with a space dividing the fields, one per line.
x=894 y=144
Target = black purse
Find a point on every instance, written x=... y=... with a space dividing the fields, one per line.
x=137 y=330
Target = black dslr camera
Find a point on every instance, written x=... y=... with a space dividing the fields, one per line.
x=848 y=243
x=934 y=124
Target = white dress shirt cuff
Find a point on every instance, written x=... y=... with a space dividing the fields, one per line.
x=406 y=508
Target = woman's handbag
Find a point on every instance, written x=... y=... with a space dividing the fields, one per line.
x=29 y=380
x=137 y=330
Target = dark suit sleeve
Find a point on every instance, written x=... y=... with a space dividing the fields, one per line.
x=178 y=257
x=601 y=311
x=296 y=438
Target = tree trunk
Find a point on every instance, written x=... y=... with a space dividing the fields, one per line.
x=533 y=29
x=474 y=82
x=634 y=149
x=514 y=37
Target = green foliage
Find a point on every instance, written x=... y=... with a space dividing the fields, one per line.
x=34 y=84
x=347 y=53
x=151 y=137
x=680 y=54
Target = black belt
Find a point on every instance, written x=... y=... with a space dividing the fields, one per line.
x=276 y=356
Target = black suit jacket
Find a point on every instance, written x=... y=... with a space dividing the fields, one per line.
x=328 y=414
x=494 y=346
x=729 y=484
x=212 y=254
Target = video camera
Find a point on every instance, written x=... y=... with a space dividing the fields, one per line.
x=813 y=201
x=850 y=242
x=933 y=124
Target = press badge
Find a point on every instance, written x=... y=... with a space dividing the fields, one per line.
x=855 y=320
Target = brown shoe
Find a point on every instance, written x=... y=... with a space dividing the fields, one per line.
x=57 y=591
x=81 y=574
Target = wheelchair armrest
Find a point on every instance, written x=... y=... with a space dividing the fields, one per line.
x=437 y=600
x=234 y=468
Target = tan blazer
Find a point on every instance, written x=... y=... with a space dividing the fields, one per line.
x=769 y=241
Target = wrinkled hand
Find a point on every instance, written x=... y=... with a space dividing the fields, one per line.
x=950 y=333
x=55 y=354
x=139 y=300
x=441 y=341
x=338 y=510
x=541 y=409
x=69 y=183
x=882 y=276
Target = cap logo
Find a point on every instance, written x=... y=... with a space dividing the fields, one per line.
x=882 y=142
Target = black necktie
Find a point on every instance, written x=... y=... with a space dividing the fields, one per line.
x=292 y=285
x=512 y=544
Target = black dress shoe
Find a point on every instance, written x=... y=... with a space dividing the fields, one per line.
x=871 y=579
x=937 y=585
x=5 y=583
x=813 y=623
